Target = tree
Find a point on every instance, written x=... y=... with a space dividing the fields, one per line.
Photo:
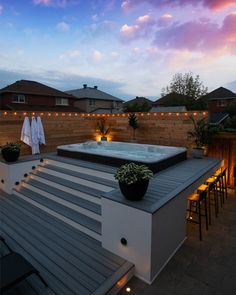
x=136 y=107
x=133 y=122
x=186 y=84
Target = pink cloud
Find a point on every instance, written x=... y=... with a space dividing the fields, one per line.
x=165 y=20
x=129 y=32
x=199 y=36
x=1 y=9
x=218 y=4
x=211 y=4
x=141 y=28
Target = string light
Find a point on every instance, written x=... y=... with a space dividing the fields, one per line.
x=5 y=113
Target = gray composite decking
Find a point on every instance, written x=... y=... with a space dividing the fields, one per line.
x=70 y=261
x=171 y=182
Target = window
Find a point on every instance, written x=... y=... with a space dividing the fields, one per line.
x=221 y=103
x=92 y=102
x=62 y=101
x=18 y=98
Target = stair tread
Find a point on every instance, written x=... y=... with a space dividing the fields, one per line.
x=66 y=196
x=77 y=217
x=85 y=164
x=70 y=184
x=88 y=177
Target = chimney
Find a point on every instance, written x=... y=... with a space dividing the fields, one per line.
x=136 y=96
x=95 y=87
x=85 y=86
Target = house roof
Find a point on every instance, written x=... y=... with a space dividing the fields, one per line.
x=33 y=87
x=170 y=97
x=107 y=111
x=92 y=93
x=176 y=109
x=217 y=118
x=139 y=100
x=220 y=93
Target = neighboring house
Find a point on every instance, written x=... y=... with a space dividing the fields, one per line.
x=107 y=111
x=176 y=109
x=172 y=99
x=33 y=96
x=219 y=99
x=138 y=104
x=90 y=99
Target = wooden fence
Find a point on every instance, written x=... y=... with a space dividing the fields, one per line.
x=224 y=146
x=154 y=128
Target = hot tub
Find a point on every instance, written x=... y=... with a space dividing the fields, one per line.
x=115 y=153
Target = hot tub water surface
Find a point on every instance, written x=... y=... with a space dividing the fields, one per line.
x=115 y=153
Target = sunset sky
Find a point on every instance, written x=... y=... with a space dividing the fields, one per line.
x=128 y=48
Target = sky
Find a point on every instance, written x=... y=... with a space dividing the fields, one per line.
x=127 y=48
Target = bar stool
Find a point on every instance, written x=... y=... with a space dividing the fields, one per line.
x=195 y=201
x=211 y=183
x=222 y=183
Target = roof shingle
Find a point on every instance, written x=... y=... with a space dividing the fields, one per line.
x=33 y=87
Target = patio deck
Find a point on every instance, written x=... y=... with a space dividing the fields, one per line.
x=60 y=234
x=205 y=267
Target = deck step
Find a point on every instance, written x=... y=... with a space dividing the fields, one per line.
x=78 y=180
x=51 y=191
x=86 y=224
x=87 y=193
x=95 y=177
x=80 y=163
x=67 y=258
x=105 y=175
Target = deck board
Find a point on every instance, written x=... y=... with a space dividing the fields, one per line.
x=68 y=259
x=169 y=183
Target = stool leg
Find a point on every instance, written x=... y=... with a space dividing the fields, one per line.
x=199 y=220
x=206 y=214
x=225 y=185
x=209 y=206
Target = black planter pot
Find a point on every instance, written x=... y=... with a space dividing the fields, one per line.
x=10 y=156
x=134 y=191
x=103 y=138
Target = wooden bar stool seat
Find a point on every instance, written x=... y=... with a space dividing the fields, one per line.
x=194 y=209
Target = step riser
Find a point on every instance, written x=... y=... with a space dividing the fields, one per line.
x=60 y=217
x=77 y=180
x=121 y=283
x=88 y=171
x=67 y=189
x=62 y=202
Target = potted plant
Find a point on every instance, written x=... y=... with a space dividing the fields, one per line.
x=201 y=136
x=102 y=129
x=133 y=180
x=133 y=122
x=11 y=152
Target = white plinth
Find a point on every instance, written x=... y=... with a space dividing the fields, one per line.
x=14 y=172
